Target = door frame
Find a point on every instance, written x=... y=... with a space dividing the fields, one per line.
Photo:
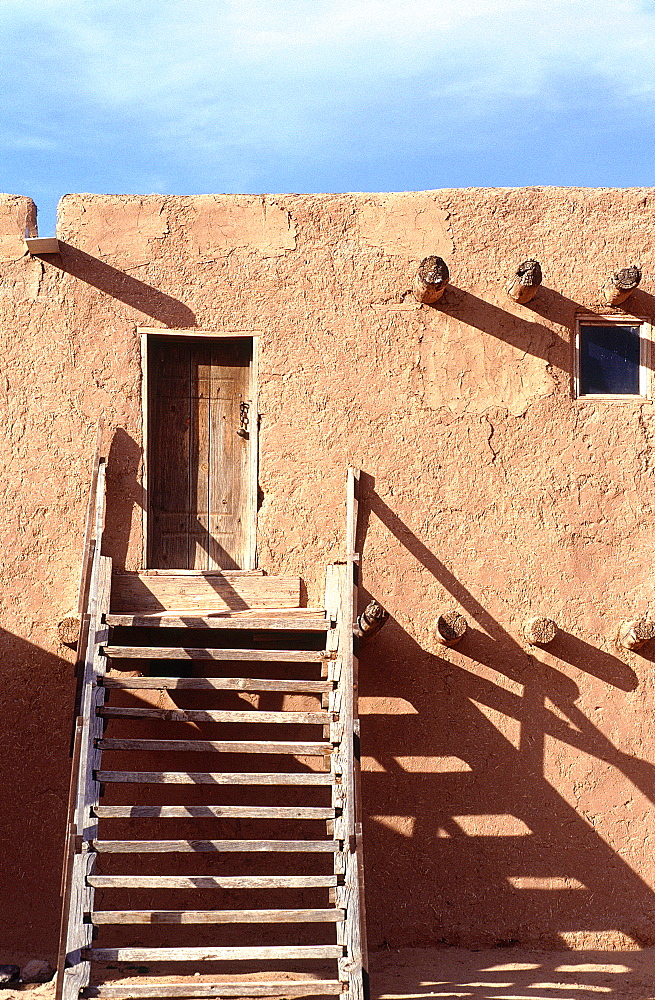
x=252 y=481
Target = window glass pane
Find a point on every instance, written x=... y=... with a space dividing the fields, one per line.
x=609 y=360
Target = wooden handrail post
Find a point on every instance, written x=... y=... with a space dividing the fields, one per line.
x=95 y=578
x=353 y=968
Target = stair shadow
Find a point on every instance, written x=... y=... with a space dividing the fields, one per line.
x=483 y=975
x=464 y=831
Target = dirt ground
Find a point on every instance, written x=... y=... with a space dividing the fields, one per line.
x=512 y=974
x=498 y=974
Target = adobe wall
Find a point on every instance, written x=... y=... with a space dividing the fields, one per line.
x=508 y=791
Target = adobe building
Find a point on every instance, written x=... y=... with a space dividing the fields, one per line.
x=506 y=463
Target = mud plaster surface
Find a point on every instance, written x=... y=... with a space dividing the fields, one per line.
x=508 y=792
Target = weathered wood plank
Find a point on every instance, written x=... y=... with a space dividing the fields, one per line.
x=221 y=746
x=311 y=622
x=217 y=684
x=217 y=812
x=177 y=653
x=206 y=573
x=255 y=988
x=197 y=846
x=198 y=715
x=221 y=954
x=139 y=593
x=217 y=916
x=200 y=464
x=212 y=881
x=75 y=971
x=167 y=416
x=206 y=778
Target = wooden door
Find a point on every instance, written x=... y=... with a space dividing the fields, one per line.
x=198 y=454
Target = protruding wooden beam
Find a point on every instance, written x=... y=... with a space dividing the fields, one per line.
x=38 y=245
x=621 y=284
x=68 y=629
x=633 y=634
x=431 y=280
x=371 y=620
x=525 y=281
x=450 y=628
x=539 y=631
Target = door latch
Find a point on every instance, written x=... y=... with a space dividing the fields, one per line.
x=244 y=420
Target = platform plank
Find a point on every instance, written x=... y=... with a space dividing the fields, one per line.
x=201 y=593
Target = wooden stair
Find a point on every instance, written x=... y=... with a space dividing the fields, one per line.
x=263 y=696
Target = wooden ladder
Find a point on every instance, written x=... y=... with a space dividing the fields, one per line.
x=244 y=862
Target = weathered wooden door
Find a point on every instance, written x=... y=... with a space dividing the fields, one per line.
x=200 y=503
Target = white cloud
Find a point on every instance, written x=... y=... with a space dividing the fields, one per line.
x=208 y=51
x=237 y=81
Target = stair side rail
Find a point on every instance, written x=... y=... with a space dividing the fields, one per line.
x=341 y=607
x=93 y=603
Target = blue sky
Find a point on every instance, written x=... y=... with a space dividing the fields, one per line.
x=199 y=96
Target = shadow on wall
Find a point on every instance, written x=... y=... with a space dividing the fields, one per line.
x=122 y=286
x=37 y=691
x=467 y=843
x=534 y=337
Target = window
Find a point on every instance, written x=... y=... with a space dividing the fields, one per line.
x=612 y=358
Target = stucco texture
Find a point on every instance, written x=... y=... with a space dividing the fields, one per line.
x=508 y=790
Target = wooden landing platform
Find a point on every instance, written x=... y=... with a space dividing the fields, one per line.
x=202 y=594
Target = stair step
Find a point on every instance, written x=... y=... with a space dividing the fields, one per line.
x=212 y=778
x=221 y=954
x=218 y=916
x=196 y=846
x=210 y=653
x=255 y=988
x=199 y=715
x=221 y=746
x=315 y=622
x=212 y=881
x=215 y=812
x=218 y=684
